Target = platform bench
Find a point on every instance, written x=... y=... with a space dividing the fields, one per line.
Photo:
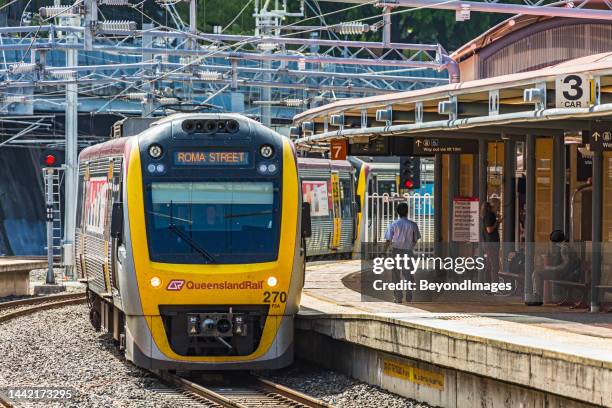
x=606 y=307
x=581 y=287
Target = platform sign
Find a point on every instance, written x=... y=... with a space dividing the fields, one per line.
x=338 y=149
x=600 y=140
x=584 y=166
x=466 y=223
x=572 y=91
x=417 y=375
x=375 y=147
x=425 y=146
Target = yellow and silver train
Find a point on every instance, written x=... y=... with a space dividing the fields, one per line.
x=190 y=237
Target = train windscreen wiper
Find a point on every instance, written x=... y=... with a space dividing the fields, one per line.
x=248 y=214
x=193 y=244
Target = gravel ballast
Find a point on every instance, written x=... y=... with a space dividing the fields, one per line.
x=58 y=348
x=338 y=389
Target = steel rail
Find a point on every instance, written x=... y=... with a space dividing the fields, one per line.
x=249 y=391
x=5 y=402
x=39 y=304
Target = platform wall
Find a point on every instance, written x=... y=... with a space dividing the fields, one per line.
x=421 y=381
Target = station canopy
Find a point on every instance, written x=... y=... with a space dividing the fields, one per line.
x=563 y=99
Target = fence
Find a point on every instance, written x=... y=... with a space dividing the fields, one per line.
x=379 y=213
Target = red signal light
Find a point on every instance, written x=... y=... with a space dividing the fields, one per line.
x=409 y=184
x=50 y=160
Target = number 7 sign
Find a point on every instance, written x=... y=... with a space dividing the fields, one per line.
x=338 y=149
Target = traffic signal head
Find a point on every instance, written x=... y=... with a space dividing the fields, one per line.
x=51 y=158
x=410 y=172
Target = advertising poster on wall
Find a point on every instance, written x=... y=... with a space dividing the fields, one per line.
x=316 y=193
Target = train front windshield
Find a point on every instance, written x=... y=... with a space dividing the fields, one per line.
x=213 y=222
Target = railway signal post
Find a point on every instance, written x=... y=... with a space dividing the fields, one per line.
x=50 y=160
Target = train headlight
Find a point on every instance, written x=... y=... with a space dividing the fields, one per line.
x=262 y=168
x=156 y=282
x=151 y=167
x=160 y=168
x=155 y=151
x=266 y=151
x=272 y=281
x=272 y=168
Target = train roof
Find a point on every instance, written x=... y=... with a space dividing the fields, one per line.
x=308 y=162
x=117 y=145
x=204 y=115
x=377 y=163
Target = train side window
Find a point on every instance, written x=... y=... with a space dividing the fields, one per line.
x=347 y=202
x=117 y=222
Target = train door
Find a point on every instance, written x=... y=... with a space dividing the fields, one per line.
x=336 y=210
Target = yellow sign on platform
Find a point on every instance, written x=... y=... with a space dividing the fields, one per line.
x=413 y=374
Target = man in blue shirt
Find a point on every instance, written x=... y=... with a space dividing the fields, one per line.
x=402 y=235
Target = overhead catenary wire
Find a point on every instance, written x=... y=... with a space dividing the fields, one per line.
x=236 y=45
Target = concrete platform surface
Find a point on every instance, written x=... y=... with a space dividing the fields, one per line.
x=551 y=349
x=9 y=264
x=15 y=275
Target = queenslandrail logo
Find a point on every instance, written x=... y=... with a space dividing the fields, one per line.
x=175 y=284
x=178 y=284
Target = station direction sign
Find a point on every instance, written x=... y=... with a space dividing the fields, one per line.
x=413 y=146
x=422 y=146
x=600 y=140
x=375 y=147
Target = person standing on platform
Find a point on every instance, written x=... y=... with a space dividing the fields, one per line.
x=490 y=238
x=402 y=235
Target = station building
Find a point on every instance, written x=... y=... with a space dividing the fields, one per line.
x=532 y=94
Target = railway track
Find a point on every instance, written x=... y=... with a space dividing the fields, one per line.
x=28 y=306
x=17 y=308
x=244 y=392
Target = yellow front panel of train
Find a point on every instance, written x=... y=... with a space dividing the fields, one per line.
x=265 y=283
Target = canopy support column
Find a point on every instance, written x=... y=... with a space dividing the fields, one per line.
x=558 y=208
x=437 y=203
x=453 y=191
x=530 y=170
x=483 y=152
x=509 y=199
x=597 y=213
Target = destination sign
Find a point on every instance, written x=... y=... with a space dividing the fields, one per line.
x=210 y=158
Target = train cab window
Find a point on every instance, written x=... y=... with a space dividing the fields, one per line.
x=213 y=222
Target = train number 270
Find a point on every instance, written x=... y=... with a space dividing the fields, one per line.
x=273 y=297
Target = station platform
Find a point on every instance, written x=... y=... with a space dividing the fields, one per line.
x=15 y=274
x=494 y=353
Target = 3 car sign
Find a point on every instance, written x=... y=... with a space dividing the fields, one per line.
x=573 y=91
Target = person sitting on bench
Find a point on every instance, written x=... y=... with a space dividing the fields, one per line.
x=562 y=265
